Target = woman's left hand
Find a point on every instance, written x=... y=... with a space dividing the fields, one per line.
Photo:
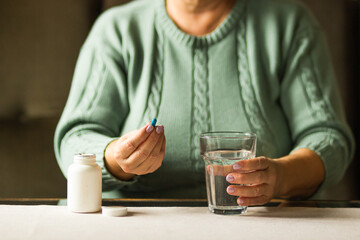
x=260 y=176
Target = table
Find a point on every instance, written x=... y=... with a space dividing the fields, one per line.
x=180 y=219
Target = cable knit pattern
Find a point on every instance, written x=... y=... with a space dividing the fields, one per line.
x=319 y=109
x=252 y=109
x=157 y=81
x=216 y=81
x=201 y=111
x=99 y=72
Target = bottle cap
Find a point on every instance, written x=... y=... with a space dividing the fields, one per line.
x=114 y=211
x=85 y=158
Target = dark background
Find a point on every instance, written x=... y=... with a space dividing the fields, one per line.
x=39 y=45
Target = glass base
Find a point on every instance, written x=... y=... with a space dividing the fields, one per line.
x=228 y=210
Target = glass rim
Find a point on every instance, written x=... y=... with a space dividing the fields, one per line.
x=228 y=135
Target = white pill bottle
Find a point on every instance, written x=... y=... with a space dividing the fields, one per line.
x=84 y=184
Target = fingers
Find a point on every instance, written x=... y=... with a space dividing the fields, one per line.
x=162 y=150
x=243 y=166
x=132 y=141
x=244 y=201
x=154 y=161
x=157 y=148
x=258 y=163
x=248 y=191
x=260 y=173
x=221 y=170
x=258 y=193
x=143 y=151
x=148 y=156
x=257 y=177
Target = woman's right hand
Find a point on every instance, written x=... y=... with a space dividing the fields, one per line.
x=136 y=153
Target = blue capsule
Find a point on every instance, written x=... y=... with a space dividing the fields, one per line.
x=153 y=122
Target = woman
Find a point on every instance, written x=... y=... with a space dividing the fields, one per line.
x=208 y=65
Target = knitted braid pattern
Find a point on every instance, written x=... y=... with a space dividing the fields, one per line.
x=157 y=81
x=97 y=79
x=201 y=111
x=319 y=108
x=252 y=109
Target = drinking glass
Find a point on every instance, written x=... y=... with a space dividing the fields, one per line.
x=220 y=150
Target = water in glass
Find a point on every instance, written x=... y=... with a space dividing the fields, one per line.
x=218 y=164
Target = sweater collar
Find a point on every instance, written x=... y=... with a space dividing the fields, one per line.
x=169 y=28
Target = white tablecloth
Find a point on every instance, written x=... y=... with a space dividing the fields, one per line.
x=55 y=222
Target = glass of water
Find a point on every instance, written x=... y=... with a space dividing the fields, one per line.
x=220 y=150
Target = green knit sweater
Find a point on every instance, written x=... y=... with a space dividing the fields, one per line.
x=265 y=69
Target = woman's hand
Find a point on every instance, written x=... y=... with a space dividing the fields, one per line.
x=296 y=175
x=136 y=153
x=260 y=176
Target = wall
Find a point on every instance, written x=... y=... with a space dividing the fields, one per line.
x=39 y=44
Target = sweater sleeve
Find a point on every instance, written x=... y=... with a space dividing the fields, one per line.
x=312 y=104
x=95 y=110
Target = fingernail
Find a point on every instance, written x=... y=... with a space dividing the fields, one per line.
x=241 y=201
x=158 y=129
x=236 y=166
x=149 y=128
x=229 y=178
x=230 y=190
